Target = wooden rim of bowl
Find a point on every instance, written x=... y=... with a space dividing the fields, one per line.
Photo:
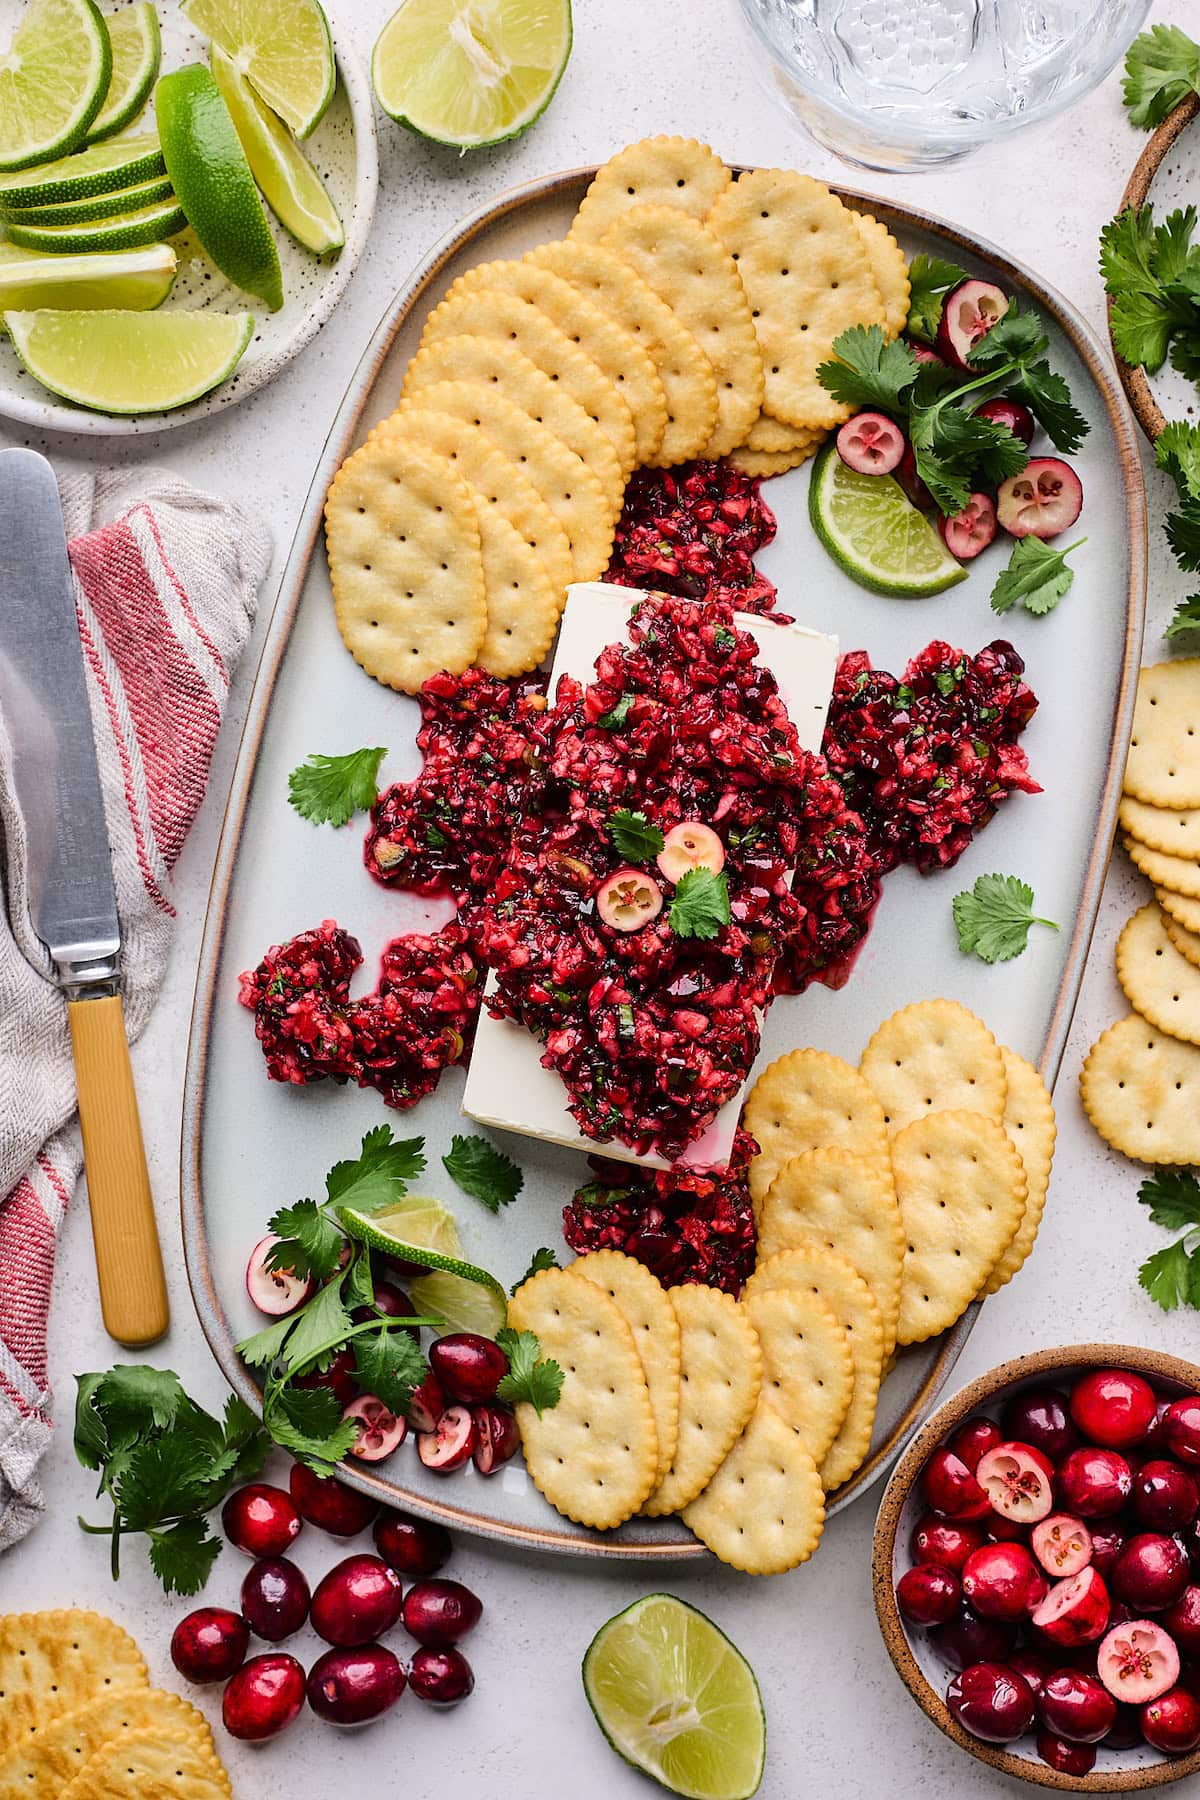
x=1156 y=1366
x=1146 y=409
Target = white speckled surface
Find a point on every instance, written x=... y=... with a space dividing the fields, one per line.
x=840 y=1724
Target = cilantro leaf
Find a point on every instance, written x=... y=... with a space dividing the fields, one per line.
x=310 y=1243
x=183 y=1554
x=701 y=905
x=633 y=835
x=1171 y=1276
x=329 y=790
x=308 y=1422
x=358 y=1282
x=1177 y=451
x=262 y=1348
x=541 y=1259
x=993 y=918
x=1046 y=394
x=379 y=1175
x=483 y=1171
x=530 y=1376
x=1150 y=272
x=950 y=446
x=317 y=1328
x=389 y=1365
x=1161 y=68
x=617 y=715
x=134 y=1398
x=1015 y=337
x=1185 y=622
x=868 y=370
x=1037 y=577
x=1173 y=1196
x=1183 y=533
x=930 y=280
x=165 y=1475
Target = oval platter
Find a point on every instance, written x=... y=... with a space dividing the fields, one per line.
x=250 y=1146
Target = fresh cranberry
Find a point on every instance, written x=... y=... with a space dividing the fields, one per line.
x=264 y=1696
x=1165 y=1497
x=1035 y=1667
x=928 y=1594
x=359 y=1599
x=992 y=1701
x=275 y=1599
x=1076 y=1611
x=1182 y=1620
x=389 y=1300
x=439 y=1613
x=1062 y=1544
x=1113 y=1407
x=1018 y=1482
x=412 y=1546
x=1010 y=413
x=1094 y=1482
x=497 y=1438
x=329 y=1503
x=974 y=1439
x=1189 y=1678
x=1181 y=1429
x=468 y=1366
x=442 y=1677
x=1137 y=1661
x=209 y=1644
x=941 y=1541
x=1068 y=1759
x=1126 y=1731
x=951 y=1488
x=1108 y=1541
x=1172 y=1722
x=1076 y=1706
x=260 y=1519
x=427 y=1405
x=338 y=1378
x=1002 y=1581
x=1006 y=1531
x=971 y=1639
x=1151 y=1572
x=1039 y=1416
x=348 y=1687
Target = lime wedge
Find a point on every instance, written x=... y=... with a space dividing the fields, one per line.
x=874 y=532
x=474 y=1302
x=415 y=1224
x=149 y=225
x=136 y=54
x=283 y=48
x=101 y=169
x=133 y=280
x=675 y=1699
x=212 y=178
x=100 y=206
x=289 y=183
x=471 y=72
x=130 y=362
x=52 y=81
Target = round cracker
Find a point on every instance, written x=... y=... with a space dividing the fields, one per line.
x=688 y=382
x=496 y=313
x=1164 y=750
x=771 y=437
x=522 y=603
x=1159 y=982
x=651 y=1318
x=764 y=463
x=1184 y=911
x=808 y=1371
x=44 y=1761
x=720 y=1373
x=889 y=268
x=764 y=1509
x=594 y=1455
x=1141 y=1090
x=1161 y=827
x=1186 y=942
x=807 y=274
x=934 y=1056
x=159 y=1762
x=848 y=1204
x=1030 y=1127
x=1181 y=874
x=660 y=171
x=51 y=1662
x=693 y=272
x=803 y=1101
x=405 y=563
x=961 y=1189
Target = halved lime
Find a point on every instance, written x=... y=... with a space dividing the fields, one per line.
x=675 y=1698
x=474 y=1302
x=289 y=183
x=133 y=36
x=148 y=225
x=130 y=362
x=52 y=81
x=100 y=206
x=283 y=48
x=131 y=280
x=874 y=532
x=212 y=178
x=101 y=169
x=471 y=72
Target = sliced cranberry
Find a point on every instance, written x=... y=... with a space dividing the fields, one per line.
x=1182 y=1620
x=973 y=1440
x=951 y=1489
x=1012 y=415
x=1076 y=1705
x=1094 y=1482
x=468 y=1366
x=441 y=1677
x=1076 y=1610
x=209 y=1644
x=1002 y=1581
x=274 y=1291
x=1068 y=1759
x=992 y=1701
x=1044 y=499
x=1040 y=1416
x=970 y=531
x=359 y=1599
x=929 y=1594
x=379 y=1430
x=263 y=1697
x=1062 y=1544
x=1181 y=1429
x=1151 y=1572
x=412 y=1546
x=427 y=1405
x=329 y=1503
x=1137 y=1662
x=971 y=1639
x=260 y=1519
x=275 y=1598
x=871 y=444
x=1017 y=1480
x=1172 y=1722
x=1165 y=1497
x=942 y=1541
x=440 y=1613
x=450 y=1445
x=629 y=899
x=690 y=845
x=348 y=1687
x=497 y=1438
x=968 y=314
x=1113 y=1407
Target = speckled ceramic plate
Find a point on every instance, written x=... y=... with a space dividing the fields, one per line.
x=343 y=149
x=249 y=1146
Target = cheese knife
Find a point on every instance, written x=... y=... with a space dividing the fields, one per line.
x=72 y=901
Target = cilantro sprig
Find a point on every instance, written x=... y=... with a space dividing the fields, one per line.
x=1152 y=276
x=1036 y=578
x=1162 y=68
x=164 y=1463
x=531 y=1376
x=930 y=279
x=994 y=918
x=701 y=905
x=311 y=1235
x=1178 y=453
x=634 y=835
x=1171 y=1276
x=329 y=790
x=483 y=1171
x=541 y=1259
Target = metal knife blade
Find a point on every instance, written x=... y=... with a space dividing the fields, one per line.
x=44 y=703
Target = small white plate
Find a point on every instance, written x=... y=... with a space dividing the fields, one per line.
x=344 y=152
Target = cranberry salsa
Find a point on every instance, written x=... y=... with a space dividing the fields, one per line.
x=1057 y=1569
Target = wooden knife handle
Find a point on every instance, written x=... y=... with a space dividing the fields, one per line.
x=133 y=1291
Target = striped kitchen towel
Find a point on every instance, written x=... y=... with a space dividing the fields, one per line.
x=166 y=582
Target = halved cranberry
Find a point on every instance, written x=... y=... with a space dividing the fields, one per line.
x=1137 y=1662
x=1011 y=414
x=274 y=1291
x=1017 y=1481
x=968 y=532
x=1113 y=1407
x=1094 y=1482
x=263 y=1697
x=1182 y=1620
x=928 y=1594
x=469 y=1367
x=1042 y=500
x=427 y=1405
x=348 y=1687
x=442 y=1677
x=1165 y=1497
x=358 y=1600
x=1172 y=1722
x=942 y=1541
x=970 y=1639
x=1039 y=1416
x=440 y=1613
x=330 y=1504
x=260 y=1519
x=690 y=845
x=379 y=1430
x=1151 y=1572
x=1076 y=1610
x=951 y=1489
x=275 y=1598
x=871 y=443
x=450 y=1444
x=1062 y=1544
x=992 y=1701
x=629 y=899
x=968 y=314
x=209 y=1644
x=412 y=1546
x=1181 y=1429
x=1076 y=1705
x=1002 y=1581
x=973 y=1439
x=497 y=1438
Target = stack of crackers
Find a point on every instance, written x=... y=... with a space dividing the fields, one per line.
x=1141 y=1081
x=80 y=1721
x=887 y=1198
x=684 y=315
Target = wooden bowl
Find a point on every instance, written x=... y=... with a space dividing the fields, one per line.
x=1116 y=1771
x=1136 y=383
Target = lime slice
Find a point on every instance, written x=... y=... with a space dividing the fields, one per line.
x=874 y=532
x=471 y=72
x=149 y=225
x=52 y=81
x=212 y=178
x=136 y=55
x=674 y=1698
x=283 y=48
x=100 y=206
x=133 y=280
x=130 y=362
x=101 y=169
x=474 y=1302
x=290 y=185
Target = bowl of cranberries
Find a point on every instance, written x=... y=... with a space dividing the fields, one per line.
x=1037 y=1568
